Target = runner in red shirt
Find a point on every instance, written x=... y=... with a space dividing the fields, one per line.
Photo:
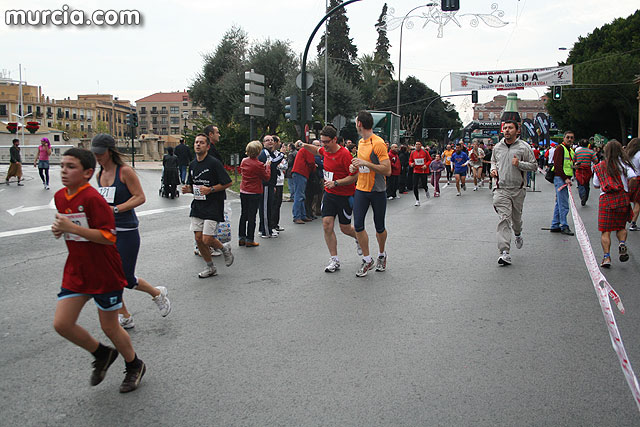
x=339 y=186
x=419 y=160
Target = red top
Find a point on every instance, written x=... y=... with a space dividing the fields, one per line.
x=336 y=166
x=395 y=163
x=304 y=164
x=426 y=159
x=536 y=153
x=91 y=268
x=253 y=172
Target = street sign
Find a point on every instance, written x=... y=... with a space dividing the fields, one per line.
x=254 y=88
x=252 y=76
x=253 y=99
x=425 y=133
x=251 y=110
x=299 y=80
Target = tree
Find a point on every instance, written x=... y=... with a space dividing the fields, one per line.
x=603 y=98
x=374 y=89
x=381 y=55
x=339 y=46
x=345 y=98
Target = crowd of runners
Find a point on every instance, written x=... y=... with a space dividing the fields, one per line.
x=329 y=178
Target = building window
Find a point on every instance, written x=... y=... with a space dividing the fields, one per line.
x=164 y=110
x=56 y=138
x=29 y=109
x=49 y=124
x=174 y=110
x=66 y=114
x=175 y=120
x=81 y=128
x=185 y=104
x=143 y=130
x=89 y=128
x=481 y=116
x=163 y=121
x=163 y=131
x=175 y=131
x=3 y=110
x=143 y=110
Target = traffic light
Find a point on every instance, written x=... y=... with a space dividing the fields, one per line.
x=557 y=93
x=291 y=108
x=474 y=96
x=629 y=132
x=134 y=120
x=129 y=120
x=450 y=5
x=309 y=112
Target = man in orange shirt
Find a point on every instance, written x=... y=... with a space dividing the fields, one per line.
x=372 y=165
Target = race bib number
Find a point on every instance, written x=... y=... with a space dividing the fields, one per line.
x=109 y=193
x=197 y=193
x=78 y=219
x=363 y=169
x=328 y=176
x=419 y=162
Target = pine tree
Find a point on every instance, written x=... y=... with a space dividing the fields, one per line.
x=340 y=47
x=381 y=55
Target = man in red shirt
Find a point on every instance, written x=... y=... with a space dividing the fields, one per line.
x=339 y=186
x=419 y=160
x=303 y=165
x=396 y=167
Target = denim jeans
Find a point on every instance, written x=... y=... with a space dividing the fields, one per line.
x=183 y=173
x=299 y=187
x=562 y=204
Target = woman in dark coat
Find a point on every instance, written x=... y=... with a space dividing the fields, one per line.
x=170 y=176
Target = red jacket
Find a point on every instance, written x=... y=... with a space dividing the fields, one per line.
x=305 y=163
x=422 y=154
x=253 y=172
x=395 y=163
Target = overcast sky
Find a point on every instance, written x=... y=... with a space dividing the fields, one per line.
x=165 y=53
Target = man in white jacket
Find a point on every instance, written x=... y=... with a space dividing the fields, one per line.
x=510 y=160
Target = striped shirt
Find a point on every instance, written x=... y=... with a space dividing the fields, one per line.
x=584 y=157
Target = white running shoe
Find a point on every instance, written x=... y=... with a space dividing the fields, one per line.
x=358 y=248
x=458 y=193
x=163 y=303
x=417 y=203
x=505 y=258
x=381 y=263
x=274 y=233
x=475 y=188
x=519 y=242
x=215 y=252
x=228 y=256
x=364 y=268
x=333 y=266
x=126 y=322
x=428 y=195
x=208 y=272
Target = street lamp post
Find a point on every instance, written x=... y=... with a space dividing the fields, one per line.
x=400 y=52
x=185 y=116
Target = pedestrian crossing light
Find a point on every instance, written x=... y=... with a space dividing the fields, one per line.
x=129 y=120
x=557 y=93
x=291 y=108
x=450 y=5
x=474 y=96
x=134 y=120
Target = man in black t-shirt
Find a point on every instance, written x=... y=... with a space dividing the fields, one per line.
x=207 y=180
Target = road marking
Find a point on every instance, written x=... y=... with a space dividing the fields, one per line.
x=14 y=211
x=22 y=231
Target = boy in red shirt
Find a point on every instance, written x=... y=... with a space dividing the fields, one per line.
x=93 y=269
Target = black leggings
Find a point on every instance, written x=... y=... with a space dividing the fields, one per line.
x=44 y=175
x=419 y=180
x=449 y=172
x=249 y=204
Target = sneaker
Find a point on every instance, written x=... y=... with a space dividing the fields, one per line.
x=264 y=236
x=132 y=377
x=163 y=303
x=333 y=266
x=208 y=272
x=390 y=198
x=46 y=187
x=634 y=227
x=358 y=248
x=567 y=231
x=623 y=252
x=475 y=188
x=126 y=322
x=519 y=242
x=417 y=203
x=274 y=233
x=215 y=252
x=436 y=194
x=606 y=262
x=505 y=258
x=464 y=187
x=251 y=244
x=458 y=193
x=278 y=228
x=228 y=256
x=428 y=195
x=196 y=251
x=20 y=184
x=101 y=365
x=364 y=268
x=381 y=263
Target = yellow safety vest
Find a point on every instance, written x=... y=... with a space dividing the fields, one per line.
x=567 y=165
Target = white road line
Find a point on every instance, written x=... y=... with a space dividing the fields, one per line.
x=14 y=211
x=48 y=227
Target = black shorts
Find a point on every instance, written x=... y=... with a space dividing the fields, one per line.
x=333 y=205
x=109 y=301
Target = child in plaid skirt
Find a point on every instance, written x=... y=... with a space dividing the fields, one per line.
x=612 y=177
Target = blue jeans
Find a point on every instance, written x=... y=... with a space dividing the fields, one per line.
x=299 y=186
x=183 y=174
x=562 y=204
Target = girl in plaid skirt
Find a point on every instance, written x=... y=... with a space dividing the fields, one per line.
x=612 y=177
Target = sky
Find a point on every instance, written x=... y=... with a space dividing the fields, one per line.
x=165 y=52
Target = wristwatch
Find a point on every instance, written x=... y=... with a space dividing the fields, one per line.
x=116 y=210
x=335 y=183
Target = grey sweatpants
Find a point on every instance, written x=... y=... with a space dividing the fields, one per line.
x=508 y=204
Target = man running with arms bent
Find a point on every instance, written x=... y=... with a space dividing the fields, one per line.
x=372 y=165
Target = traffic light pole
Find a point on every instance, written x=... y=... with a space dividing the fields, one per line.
x=303 y=70
x=133 y=149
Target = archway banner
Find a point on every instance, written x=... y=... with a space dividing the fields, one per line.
x=512 y=79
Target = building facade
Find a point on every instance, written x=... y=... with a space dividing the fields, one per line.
x=492 y=111
x=168 y=113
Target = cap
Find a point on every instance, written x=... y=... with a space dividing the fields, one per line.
x=45 y=140
x=102 y=142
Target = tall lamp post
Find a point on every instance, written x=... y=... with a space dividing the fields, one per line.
x=185 y=116
x=400 y=52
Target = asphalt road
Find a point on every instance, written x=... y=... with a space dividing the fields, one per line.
x=444 y=337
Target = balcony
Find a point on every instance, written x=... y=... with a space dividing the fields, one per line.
x=154 y=111
x=81 y=117
x=164 y=112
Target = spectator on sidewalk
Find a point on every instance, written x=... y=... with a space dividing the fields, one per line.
x=396 y=167
x=183 y=153
x=563 y=168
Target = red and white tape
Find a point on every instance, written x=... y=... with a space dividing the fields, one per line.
x=604 y=291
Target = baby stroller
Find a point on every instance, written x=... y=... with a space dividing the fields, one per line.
x=170 y=178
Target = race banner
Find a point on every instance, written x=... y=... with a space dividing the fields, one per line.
x=528 y=131
x=512 y=79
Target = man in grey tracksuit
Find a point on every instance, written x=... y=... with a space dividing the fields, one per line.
x=510 y=160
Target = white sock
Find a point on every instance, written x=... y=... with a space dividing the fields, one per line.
x=335 y=258
x=382 y=255
x=367 y=258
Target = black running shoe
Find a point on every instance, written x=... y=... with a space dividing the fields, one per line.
x=132 y=378
x=101 y=365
